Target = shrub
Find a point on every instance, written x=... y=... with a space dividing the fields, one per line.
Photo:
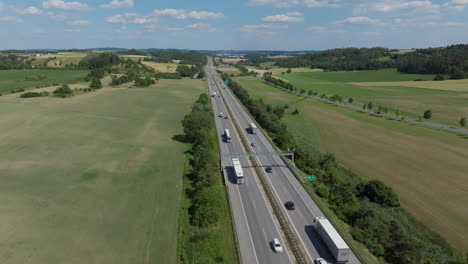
x=439 y=77
x=63 y=91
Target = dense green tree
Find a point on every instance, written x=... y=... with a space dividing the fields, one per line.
x=462 y=122
x=95 y=84
x=427 y=114
x=63 y=91
x=350 y=100
x=439 y=77
x=377 y=192
x=370 y=105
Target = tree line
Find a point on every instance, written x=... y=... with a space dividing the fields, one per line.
x=348 y=59
x=371 y=208
x=450 y=60
x=185 y=57
x=205 y=207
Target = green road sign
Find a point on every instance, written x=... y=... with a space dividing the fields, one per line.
x=311 y=178
x=227 y=81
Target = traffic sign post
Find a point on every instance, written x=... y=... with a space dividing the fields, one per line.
x=227 y=81
x=311 y=178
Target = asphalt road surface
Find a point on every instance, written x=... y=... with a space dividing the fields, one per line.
x=253 y=218
x=286 y=186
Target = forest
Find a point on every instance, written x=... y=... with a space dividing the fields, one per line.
x=450 y=60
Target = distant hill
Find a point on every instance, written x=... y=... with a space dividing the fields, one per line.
x=450 y=60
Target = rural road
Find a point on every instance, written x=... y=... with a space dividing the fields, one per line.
x=286 y=187
x=410 y=120
x=253 y=218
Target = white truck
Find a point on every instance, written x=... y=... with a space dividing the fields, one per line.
x=227 y=136
x=253 y=128
x=213 y=94
x=332 y=239
x=238 y=170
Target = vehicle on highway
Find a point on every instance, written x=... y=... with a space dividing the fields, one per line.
x=238 y=170
x=253 y=144
x=227 y=136
x=332 y=239
x=320 y=261
x=253 y=128
x=277 y=245
x=226 y=117
x=269 y=169
x=290 y=205
x=221 y=114
x=213 y=94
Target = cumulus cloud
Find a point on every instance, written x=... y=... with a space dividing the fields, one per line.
x=11 y=19
x=29 y=11
x=131 y=18
x=116 y=4
x=1 y=6
x=288 y=17
x=292 y=3
x=60 y=4
x=264 y=29
x=358 y=20
x=203 y=27
x=184 y=14
x=58 y=17
x=78 y=22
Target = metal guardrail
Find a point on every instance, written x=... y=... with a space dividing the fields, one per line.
x=291 y=236
x=256 y=154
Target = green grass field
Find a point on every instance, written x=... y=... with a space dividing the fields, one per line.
x=426 y=167
x=447 y=106
x=16 y=79
x=95 y=178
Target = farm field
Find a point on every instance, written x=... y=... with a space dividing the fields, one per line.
x=447 y=106
x=95 y=178
x=16 y=79
x=426 y=167
x=447 y=85
x=161 y=66
x=61 y=59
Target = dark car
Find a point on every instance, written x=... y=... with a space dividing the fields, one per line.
x=253 y=144
x=290 y=205
x=269 y=169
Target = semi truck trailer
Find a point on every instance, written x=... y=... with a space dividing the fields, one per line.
x=253 y=128
x=238 y=170
x=332 y=239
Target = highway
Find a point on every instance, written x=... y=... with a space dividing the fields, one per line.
x=286 y=186
x=253 y=218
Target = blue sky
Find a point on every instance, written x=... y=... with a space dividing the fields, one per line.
x=232 y=24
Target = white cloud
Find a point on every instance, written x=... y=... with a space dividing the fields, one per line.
x=320 y=29
x=131 y=18
x=457 y=5
x=291 y=3
x=288 y=17
x=29 y=11
x=72 y=30
x=203 y=27
x=183 y=14
x=358 y=20
x=1 y=6
x=60 y=4
x=116 y=4
x=55 y=16
x=78 y=22
x=265 y=29
x=11 y=19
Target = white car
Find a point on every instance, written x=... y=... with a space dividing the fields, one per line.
x=320 y=261
x=220 y=114
x=277 y=245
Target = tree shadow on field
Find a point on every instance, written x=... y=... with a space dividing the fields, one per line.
x=375 y=115
x=462 y=136
x=180 y=138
